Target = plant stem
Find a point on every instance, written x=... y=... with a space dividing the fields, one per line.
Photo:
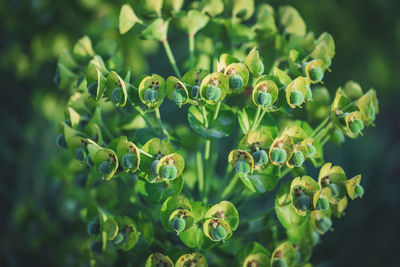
x=260 y=119
x=320 y=126
x=200 y=171
x=205 y=116
x=144 y=153
x=230 y=186
x=171 y=57
x=191 y=49
x=285 y=171
x=217 y=111
x=107 y=132
x=323 y=132
x=158 y=117
x=256 y=118
x=258 y=217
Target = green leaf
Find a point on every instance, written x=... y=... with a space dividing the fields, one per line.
x=127 y=19
x=157 y=30
x=239 y=33
x=193 y=21
x=114 y=81
x=83 y=49
x=266 y=20
x=195 y=238
x=251 y=249
x=243 y=9
x=155 y=193
x=212 y=7
x=263 y=180
x=221 y=127
x=224 y=210
x=106 y=47
x=292 y=21
x=253 y=62
x=170 y=205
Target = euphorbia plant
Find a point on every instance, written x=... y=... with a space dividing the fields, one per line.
x=152 y=188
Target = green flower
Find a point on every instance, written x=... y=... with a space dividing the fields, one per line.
x=260 y=157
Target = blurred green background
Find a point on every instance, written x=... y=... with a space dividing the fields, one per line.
x=39 y=221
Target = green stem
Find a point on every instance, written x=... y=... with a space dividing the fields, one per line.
x=158 y=117
x=191 y=49
x=107 y=132
x=217 y=111
x=320 y=126
x=285 y=171
x=207 y=168
x=260 y=119
x=145 y=153
x=200 y=171
x=230 y=187
x=171 y=58
x=258 y=217
x=203 y=108
x=323 y=132
x=256 y=118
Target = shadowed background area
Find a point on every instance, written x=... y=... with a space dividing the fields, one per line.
x=38 y=225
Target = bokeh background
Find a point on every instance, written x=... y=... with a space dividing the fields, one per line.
x=38 y=226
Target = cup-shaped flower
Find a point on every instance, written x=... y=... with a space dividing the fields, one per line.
x=315 y=70
x=238 y=75
x=265 y=93
x=302 y=190
x=170 y=166
x=217 y=229
x=177 y=91
x=296 y=92
x=152 y=91
x=193 y=259
x=180 y=220
x=214 y=87
x=281 y=150
x=158 y=259
x=242 y=161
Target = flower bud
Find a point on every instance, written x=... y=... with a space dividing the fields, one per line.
x=60 y=140
x=323 y=224
x=117 y=94
x=322 y=204
x=128 y=161
x=119 y=239
x=356 y=126
x=278 y=155
x=296 y=98
x=213 y=93
x=169 y=172
x=297 y=159
x=316 y=74
x=311 y=150
x=150 y=95
x=89 y=161
x=218 y=233
x=358 y=191
x=93 y=228
x=303 y=202
x=279 y=263
x=178 y=224
x=92 y=89
x=96 y=247
x=335 y=190
x=264 y=98
x=260 y=157
x=154 y=167
x=179 y=96
x=195 y=93
x=80 y=154
x=235 y=82
x=105 y=167
x=242 y=166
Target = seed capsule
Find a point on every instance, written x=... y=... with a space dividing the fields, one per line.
x=150 y=95
x=154 y=167
x=92 y=89
x=178 y=224
x=260 y=157
x=264 y=98
x=60 y=140
x=314 y=238
x=324 y=224
x=213 y=93
x=335 y=190
x=356 y=126
x=117 y=94
x=322 y=204
x=311 y=150
x=242 y=166
x=195 y=93
x=316 y=74
x=93 y=228
x=297 y=158
x=218 y=233
x=105 y=167
x=358 y=191
x=278 y=155
x=309 y=94
x=128 y=161
x=303 y=203
x=119 y=239
x=179 y=97
x=96 y=247
x=235 y=82
x=169 y=172
x=279 y=263
x=296 y=98
x=80 y=154
x=89 y=161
